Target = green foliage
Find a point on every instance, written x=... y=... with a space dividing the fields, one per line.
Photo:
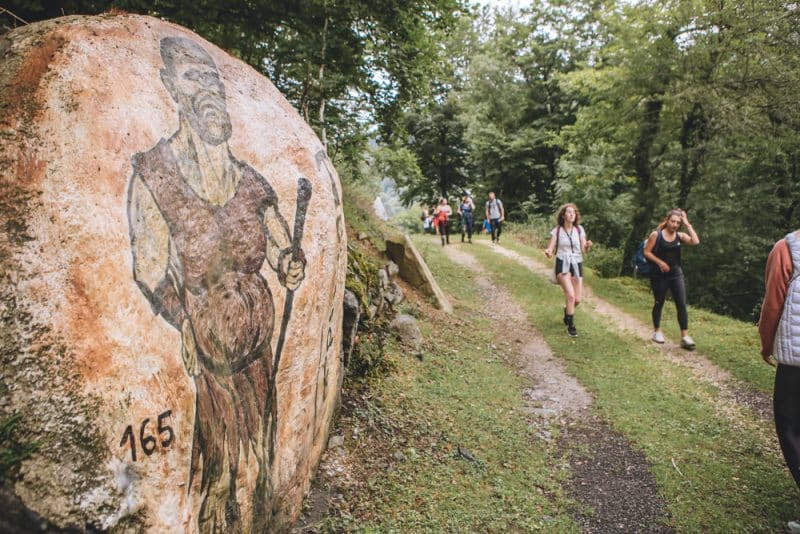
x=719 y=149
x=604 y=260
x=409 y=220
x=369 y=358
x=436 y=137
x=13 y=450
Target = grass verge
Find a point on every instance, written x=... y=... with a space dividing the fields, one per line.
x=414 y=421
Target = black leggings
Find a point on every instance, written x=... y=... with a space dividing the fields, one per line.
x=497 y=228
x=444 y=231
x=786 y=405
x=673 y=281
x=466 y=225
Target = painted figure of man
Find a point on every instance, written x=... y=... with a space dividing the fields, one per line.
x=202 y=224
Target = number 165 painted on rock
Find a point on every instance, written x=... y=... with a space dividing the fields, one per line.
x=149 y=443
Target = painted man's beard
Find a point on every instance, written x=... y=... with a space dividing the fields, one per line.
x=209 y=118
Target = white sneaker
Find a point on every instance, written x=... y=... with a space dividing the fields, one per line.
x=687 y=343
x=658 y=336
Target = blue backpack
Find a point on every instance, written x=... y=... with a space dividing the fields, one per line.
x=641 y=265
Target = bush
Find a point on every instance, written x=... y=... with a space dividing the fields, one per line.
x=605 y=261
x=369 y=358
x=409 y=220
x=535 y=232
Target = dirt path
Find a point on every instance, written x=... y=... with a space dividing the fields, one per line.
x=703 y=369
x=556 y=393
x=607 y=475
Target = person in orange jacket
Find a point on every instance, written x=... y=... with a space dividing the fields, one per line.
x=779 y=329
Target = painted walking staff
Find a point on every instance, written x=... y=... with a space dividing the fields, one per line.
x=202 y=223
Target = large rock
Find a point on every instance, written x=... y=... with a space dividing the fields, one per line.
x=406 y=328
x=170 y=296
x=414 y=270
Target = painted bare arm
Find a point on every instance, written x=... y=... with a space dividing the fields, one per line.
x=156 y=268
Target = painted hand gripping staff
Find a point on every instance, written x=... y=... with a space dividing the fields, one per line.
x=202 y=226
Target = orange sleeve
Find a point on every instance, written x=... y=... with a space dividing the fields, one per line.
x=777 y=275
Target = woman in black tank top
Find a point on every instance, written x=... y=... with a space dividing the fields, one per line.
x=664 y=249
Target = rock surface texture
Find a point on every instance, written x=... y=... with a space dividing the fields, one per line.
x=172 y=264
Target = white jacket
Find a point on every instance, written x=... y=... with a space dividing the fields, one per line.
x=787 y=338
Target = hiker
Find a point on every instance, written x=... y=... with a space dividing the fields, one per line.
x=440 y=216
x=568 y=242
x=496 y=214
x=465 y=210
x=427 y=221
x=663 y=248
x=779 y=328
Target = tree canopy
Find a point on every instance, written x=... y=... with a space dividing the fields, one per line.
x=627 y=108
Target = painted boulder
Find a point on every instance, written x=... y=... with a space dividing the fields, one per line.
x=172 y=262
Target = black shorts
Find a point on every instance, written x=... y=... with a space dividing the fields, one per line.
x=560 y=264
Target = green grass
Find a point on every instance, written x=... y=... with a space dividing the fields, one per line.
x=731 y=344
x=733 y=478
x=462 y=394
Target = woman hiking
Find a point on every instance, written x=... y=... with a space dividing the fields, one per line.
x=778 y=329
x=466 y=210
x=568 y=242
x=664 y=249
x=440 y=216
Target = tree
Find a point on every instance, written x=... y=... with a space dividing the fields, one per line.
x=436 y=137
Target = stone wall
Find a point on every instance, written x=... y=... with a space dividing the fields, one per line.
x=172 y=262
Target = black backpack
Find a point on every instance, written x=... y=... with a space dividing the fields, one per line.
x=641 y=265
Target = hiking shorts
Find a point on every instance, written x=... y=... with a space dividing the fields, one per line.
x=560 y=265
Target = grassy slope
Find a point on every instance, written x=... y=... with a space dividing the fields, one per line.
x=730 y=343
x=462 y=394
x=732 y=476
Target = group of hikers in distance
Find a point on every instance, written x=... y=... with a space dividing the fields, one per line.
x=659 y=257
x=442 y=215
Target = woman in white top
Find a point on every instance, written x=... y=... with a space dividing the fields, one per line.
x=568 y=242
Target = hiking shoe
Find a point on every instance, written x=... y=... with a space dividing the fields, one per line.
x=572 y=331
x=658 y=336
x=687 y=343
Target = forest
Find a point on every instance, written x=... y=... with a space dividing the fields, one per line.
x=625 y=107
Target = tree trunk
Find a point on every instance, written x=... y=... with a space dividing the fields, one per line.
x=646 y=191
x=693 y=138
